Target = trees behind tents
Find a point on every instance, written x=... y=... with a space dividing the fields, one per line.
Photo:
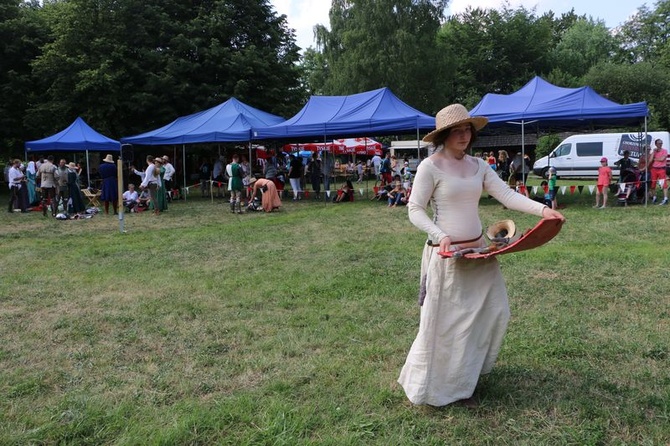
x=128 y=66
x=132 y=65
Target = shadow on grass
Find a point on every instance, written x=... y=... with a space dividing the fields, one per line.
x=584 y=393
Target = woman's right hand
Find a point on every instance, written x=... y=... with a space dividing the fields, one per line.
x=445 y=244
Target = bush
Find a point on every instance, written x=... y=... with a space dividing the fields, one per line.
x=546 y=144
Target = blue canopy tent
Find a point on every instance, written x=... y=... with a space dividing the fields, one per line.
x=79 y=136
x=546 y=105
x=230 y=121
x=373 y=112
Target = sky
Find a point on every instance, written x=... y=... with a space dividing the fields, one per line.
x=304 y=14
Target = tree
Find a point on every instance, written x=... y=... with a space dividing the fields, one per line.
x=644 y=38
x=490 y=51
x=585 y=44
x=132 y=65
x=382 y=43
x=626 y=83
x=22 y=35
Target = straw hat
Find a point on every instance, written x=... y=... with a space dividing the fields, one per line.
x=108 y=159
x=252 y=180
x=452 y=116
x=501 y=229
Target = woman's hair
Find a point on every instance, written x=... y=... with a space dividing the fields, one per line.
x=440 y=138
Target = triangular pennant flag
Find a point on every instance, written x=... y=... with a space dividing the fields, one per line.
x=661 y=183
x=622 y=188
x=572 y=189
x=580 y=188
x=361 y=191
x=563 y=189
x=522 y=189
x=328 y=193
x=535 y=190
x=546 y=189
x=591 y=189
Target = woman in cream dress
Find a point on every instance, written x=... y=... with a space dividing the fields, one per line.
x=464 y=308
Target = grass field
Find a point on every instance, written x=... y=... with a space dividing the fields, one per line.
x=204 y=327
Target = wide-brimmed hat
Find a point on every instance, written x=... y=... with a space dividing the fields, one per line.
x=108 y=159
x=252 y=180
x=71 y=165
x=451 y=116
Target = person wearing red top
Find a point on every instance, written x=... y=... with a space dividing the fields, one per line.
x=658 y=160
x=604 y=180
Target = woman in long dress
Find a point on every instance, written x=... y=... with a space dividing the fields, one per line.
x=161 y=193
x=109 y=193
x=464 y=308
x=31 y=182
x=270 y=197
x=74 y=191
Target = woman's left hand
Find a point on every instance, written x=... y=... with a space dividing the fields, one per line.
x=551 y=213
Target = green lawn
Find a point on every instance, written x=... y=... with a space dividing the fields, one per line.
x=204 y=327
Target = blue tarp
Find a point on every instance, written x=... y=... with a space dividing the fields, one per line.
x=230 y=121
x=373 y=112
x=79 y=136
x=553 y=106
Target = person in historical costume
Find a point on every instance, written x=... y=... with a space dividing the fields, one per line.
x=16 y=180
x=150 y=182
x=314 y=169
x=235 y=174
x=161 y=192
x=464 y=308
x=76 y=203
x=270 y=197
x=110 y=192
x=47 y=176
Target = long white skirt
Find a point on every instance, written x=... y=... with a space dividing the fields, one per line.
x=463 y=321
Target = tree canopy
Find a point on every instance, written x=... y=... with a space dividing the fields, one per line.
x=128 y=66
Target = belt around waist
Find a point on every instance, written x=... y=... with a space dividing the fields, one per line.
x=455 y=242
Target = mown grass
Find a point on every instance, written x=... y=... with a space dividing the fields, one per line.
x=204 y=327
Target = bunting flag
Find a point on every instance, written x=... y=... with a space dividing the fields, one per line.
x=572 y=189
x=661 y=183
x=522 y=189
x=580 y=188
x=306 y=193
x=535 y=188
x=563 y=189
x=546 y=189
x=328 y=193
x=622 y=188
x=361 y=191
x=591 y=189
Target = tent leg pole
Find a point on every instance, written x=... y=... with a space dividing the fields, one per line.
x=183 y=168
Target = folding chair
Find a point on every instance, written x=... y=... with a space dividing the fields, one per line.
x=92 y=197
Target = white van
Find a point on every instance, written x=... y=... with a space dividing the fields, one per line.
x=579 y=155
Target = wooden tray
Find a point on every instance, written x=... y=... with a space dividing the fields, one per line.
x=544 y=231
